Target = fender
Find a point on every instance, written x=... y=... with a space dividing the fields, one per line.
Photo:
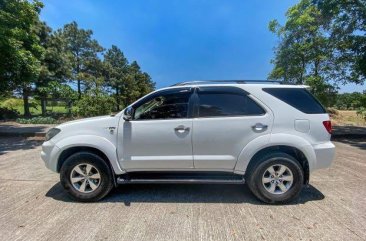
x=97 y=142
x=274 y=140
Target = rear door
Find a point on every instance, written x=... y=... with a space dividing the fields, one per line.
x=226 y=119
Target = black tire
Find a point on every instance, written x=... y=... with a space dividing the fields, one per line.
x=106 y=177
x=256 y=171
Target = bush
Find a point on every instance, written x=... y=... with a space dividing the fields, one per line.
x=95 y=105
x=18 y=105
x=332 y=111
x=8 y=113
x=12 y=103
x=362 y=112
x=37 y=120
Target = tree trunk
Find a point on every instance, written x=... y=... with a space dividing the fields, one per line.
x=303 y=70
x=43 y=106
x=69 y=107
x=79 y=89
x=316 y=68
x=77 y=74
x=117 y=99
x=26 y=102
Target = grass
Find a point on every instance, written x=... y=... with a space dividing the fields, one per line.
x=38 y=109
x=37 y=120
x=35 y=107
x=348 y=118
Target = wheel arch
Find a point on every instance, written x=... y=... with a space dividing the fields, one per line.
x=75 y=149
x=290 y=150
x=293 y=145
x=94 y=144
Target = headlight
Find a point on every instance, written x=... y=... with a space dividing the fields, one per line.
x=51 y=133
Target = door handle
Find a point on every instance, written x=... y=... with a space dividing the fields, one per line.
x=259 y=127
x=181 y=129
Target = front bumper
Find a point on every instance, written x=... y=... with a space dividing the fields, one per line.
x=49 y=154
x=324 y=154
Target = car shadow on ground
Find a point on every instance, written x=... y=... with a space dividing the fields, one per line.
x=26 y=129
x=184 y=193
x=349 y=130
x=18 y=143
x=355 y=142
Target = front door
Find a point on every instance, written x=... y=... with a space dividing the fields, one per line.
x=227 y=119
x=159 y=136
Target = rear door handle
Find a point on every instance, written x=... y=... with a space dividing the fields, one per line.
x=259 y=127
x=181 y=128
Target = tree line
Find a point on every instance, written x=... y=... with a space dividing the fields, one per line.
x=322 y=44
x=67 y=64
x=349 y=101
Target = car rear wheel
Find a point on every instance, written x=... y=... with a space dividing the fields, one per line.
x=86 y=177
x=276 y=178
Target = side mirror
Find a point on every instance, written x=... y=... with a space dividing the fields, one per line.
x=127 y=115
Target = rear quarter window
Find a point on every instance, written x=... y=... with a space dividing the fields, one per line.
x=298 y=98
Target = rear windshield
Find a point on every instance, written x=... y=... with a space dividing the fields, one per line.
x=298 y=98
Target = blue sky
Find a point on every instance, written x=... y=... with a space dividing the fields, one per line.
x=181 y=40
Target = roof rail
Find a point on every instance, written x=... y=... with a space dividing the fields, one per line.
x=227 y=82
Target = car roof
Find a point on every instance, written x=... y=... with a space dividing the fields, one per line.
x=207 y=82
x=251 y=84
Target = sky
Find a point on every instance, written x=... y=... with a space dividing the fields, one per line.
x=182 y=40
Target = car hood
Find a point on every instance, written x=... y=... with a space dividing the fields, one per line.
x=96 y=126
x=84 y=120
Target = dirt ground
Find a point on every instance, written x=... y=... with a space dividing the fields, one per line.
x=33 y=205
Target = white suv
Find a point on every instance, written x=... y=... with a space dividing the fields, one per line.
x=269 y=135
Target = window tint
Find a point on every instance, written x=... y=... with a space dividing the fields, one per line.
x=300 y=99
x=164 y=106
x=227 y=104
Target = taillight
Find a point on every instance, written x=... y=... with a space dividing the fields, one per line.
x=328 y=126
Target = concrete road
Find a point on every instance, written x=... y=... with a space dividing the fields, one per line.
x=33 y=205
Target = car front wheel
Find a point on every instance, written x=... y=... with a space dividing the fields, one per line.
x=86 y=177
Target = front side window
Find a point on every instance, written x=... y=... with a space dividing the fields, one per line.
x=170 y=105
x=218 y=104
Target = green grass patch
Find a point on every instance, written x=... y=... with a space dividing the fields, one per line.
x=37 y=120
x=37 y=110
x=35 y=107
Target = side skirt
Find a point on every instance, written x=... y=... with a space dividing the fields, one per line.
x=180 y=177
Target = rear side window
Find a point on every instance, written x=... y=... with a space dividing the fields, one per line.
x=298 y=98
x=216 y=104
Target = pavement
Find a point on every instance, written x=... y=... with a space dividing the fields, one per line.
x=13 y=129
x=33 y=206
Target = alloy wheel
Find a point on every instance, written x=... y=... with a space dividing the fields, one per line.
x=277 y=179
x=85 y=178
